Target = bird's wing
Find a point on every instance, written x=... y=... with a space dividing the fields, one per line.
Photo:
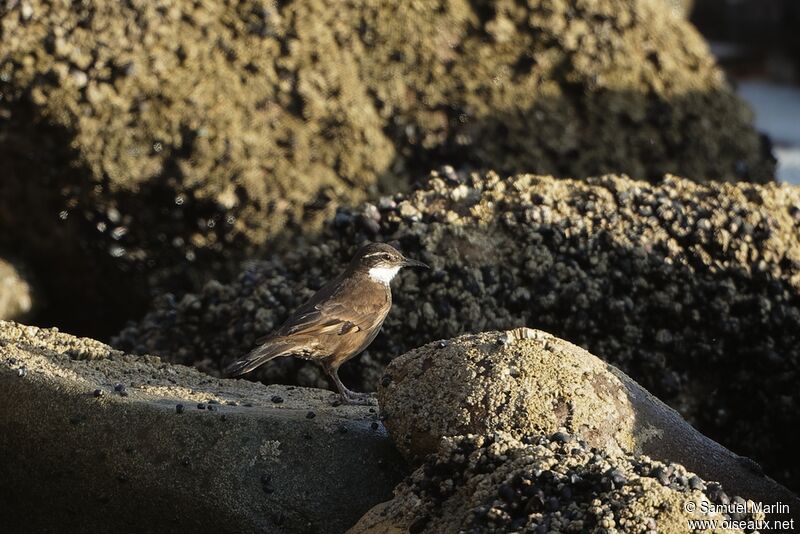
x=328 y=318
x=306 y=313
x=333 y=311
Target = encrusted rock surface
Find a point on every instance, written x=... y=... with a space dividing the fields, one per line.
x=133 y=140
x=527 y=382
x=681 y=8
x=521 y=381
x=693 y=290
x=16 y=292
x=95 y=440
x=496 y=483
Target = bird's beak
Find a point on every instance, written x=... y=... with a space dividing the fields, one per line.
x=408 y=262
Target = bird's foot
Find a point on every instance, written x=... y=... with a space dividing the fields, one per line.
x=361 y=399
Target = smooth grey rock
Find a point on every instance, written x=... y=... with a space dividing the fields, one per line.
x=93 y=440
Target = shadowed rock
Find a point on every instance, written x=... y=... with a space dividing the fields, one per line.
x=92 y=439
x=497 y=483
x=693 y=290
x=527 y=382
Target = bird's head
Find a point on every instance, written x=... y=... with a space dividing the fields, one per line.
x=382 y=262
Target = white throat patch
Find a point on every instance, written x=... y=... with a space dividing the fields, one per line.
x=383 y=274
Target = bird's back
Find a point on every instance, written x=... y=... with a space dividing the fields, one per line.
x=342 y=318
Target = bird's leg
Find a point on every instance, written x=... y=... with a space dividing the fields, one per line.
x=348 y=397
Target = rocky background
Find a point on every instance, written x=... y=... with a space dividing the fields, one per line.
x=151 y=146
x=691 y=289
x=176 y=178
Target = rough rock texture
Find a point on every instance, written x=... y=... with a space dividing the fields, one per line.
x=521 y=381
x=142 y=136
x=146 y=136
x=16 y=292
x=95 y=440
x=482 y=484
x=528 y=382
x=693 y=290
x=681 y=8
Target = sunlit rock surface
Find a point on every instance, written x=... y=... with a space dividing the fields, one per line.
x=92 y=439
x=526 y=383
x=17 y=294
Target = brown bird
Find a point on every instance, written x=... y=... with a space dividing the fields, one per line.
x=339 y=321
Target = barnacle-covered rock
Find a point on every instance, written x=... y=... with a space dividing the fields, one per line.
x=527 y=382
x=164 y=140
x=693 y=290
x=681 y=8
x=521 y=381
x=498 y=483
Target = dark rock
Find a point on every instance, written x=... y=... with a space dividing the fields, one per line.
x=143 y=180
x=667 y=304
x=561 y=437
x=464 y=488
x=696 y=483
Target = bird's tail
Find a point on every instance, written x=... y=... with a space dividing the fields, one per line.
x=259 y=356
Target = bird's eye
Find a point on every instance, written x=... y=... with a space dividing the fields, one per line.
x=386 y=256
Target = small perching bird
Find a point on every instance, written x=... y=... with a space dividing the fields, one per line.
x=339 y=321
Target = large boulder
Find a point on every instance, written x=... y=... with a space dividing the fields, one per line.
x=568 y=87
x=143 y=137
x=526 y=382
x=147 y=145
x=497 y=483
x=693 y=290
x=95 y=440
